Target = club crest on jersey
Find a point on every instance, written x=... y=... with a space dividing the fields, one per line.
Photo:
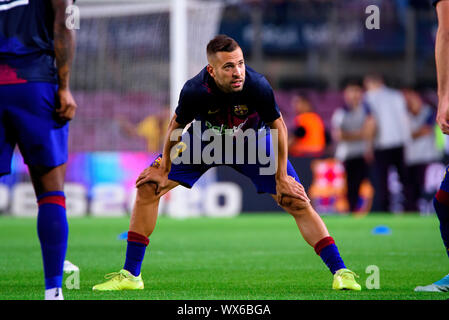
x=157 y=162
x=241 y=110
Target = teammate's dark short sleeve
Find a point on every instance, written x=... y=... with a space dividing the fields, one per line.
x=266 y=105
x=185 y=111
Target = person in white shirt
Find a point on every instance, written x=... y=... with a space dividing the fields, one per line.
x=392 y=133
x=421 y=149
x=350 y=127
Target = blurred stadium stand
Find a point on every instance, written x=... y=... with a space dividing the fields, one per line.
x=299 y=45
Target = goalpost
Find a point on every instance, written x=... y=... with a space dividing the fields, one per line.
x=134 y=56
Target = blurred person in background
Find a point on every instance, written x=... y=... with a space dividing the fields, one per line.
x=392 y=132
x=309 y=135
x=152 y=128
x=421 y=149
x=351 y=127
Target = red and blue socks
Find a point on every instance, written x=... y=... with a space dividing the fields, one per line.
x=441 y=205
x=328 y=252
x=135 y=252
x=52 y=230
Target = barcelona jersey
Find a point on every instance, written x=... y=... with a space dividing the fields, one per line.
x=28 y=86
x=26 y=42
x=226 y=114
x=253 y=107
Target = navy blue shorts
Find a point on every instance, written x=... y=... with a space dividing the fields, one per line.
x=188 y=174
x=28 y=119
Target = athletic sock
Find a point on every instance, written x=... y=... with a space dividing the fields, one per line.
x=52 y=230
x=441 y=205
x=328 y=252
x=54 y=294
x=135 y=252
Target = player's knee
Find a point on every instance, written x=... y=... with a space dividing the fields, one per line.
x=295 y=206
x=47 y=179
x=146 y=194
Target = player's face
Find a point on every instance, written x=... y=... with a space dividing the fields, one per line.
x=228 y=70
x=353 y=96
x=413 y=100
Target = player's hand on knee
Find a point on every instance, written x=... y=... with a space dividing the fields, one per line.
x=67 y=105
x=155 y=175
x=289 y=187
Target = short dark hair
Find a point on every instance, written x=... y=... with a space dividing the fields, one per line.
x=373 y=76
x=221 y=43
x=352 y=82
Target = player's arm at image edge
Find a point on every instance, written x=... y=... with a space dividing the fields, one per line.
x=442 y=64
x=64 y=42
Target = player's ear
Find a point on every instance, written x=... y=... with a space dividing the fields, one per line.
x=210 y=69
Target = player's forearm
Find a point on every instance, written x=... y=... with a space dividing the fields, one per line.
x=64 y=43
x=282 y=152
x=442 y=50
x=170 y=142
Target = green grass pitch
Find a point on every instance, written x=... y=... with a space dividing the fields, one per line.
x=251 y=257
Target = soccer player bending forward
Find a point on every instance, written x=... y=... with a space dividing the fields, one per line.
x=227 y=100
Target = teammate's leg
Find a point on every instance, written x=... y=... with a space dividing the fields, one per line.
x=441 y=205
x=43 y=142
x=52 y=226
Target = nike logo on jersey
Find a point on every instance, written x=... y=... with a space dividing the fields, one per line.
x=9 y=4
